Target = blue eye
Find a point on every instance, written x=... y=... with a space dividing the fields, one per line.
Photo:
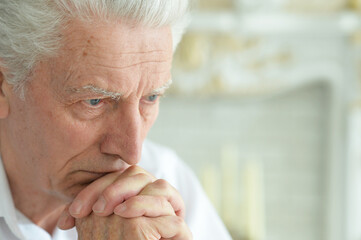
x=152 y=98
x=93 y=102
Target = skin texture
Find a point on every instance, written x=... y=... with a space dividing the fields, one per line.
x=155 y=212
x=58 y=146
x=166 y=227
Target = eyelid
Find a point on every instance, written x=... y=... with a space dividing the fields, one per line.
x=159 y=94
x=101 y=103
x=144 y=99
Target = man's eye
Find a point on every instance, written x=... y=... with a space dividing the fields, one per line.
x=93 y=102
x=152 y=98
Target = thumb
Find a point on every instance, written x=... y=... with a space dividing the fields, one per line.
x=66 y=221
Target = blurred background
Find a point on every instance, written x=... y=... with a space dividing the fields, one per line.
x=266 y=108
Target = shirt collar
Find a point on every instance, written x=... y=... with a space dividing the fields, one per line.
x=7 y=208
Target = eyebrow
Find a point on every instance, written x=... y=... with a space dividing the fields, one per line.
x=115 y=95
x=162 y=88
x=97 y=90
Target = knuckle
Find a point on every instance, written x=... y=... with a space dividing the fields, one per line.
x=134 y=202
x=162 y=184
x=143 y=176
x=110 y=193
x=162 y=202
x=134 y=169
x=179 y=222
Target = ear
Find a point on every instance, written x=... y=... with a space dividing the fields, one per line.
x=4 y=103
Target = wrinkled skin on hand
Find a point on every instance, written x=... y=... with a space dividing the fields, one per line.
x=99 y=228
x=139 y=207
x=130 y=194
x=114 y=227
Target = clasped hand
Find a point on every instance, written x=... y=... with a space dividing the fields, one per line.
x=132 y=205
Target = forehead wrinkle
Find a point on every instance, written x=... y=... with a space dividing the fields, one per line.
x=161 y=52
x=122 y=60
x=124 y=67
x=126 y=49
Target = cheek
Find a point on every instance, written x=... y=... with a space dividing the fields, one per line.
x=64 y=137
x=28 y=128
x=77 y=135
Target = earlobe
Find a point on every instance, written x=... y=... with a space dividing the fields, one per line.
x=4 y=103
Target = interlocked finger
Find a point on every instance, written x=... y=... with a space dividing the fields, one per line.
x=162 y=188
x=143 y=205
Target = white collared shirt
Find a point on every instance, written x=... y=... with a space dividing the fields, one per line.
x=201 y=217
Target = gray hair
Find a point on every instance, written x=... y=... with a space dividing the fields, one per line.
x=30 y=29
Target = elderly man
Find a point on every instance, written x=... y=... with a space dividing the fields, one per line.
x=80 y=82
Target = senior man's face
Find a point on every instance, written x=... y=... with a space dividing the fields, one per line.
x=87 y=111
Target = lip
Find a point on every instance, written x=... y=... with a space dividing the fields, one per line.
x=104 y=172
x=95 y=173
x=103 y=167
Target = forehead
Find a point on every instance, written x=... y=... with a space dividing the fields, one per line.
x=115 y=52
x=127 y=37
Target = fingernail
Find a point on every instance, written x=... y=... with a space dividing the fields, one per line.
x=76 y=207
x=62 y=221
x=99 y=206
x=120 y=209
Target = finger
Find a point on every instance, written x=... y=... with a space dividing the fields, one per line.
x=66 y=221
x=84 y=201
x=133 y=170
x=120 y=190
x=148 y=206
x=162 y=188
x=171 y=227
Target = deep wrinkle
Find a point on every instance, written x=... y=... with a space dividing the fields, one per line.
x=55 y=141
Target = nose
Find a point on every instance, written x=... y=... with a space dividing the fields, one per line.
x=124 y=134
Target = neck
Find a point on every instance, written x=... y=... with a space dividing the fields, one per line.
x=41 y=207
x=43 y=211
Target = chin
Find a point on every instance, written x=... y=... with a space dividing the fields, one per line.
x=73 y=184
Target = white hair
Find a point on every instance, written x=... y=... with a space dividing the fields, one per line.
x=30 y=30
